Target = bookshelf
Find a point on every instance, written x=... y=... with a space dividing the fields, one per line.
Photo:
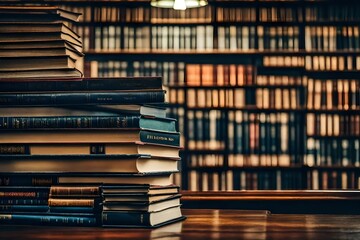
x=266 y=93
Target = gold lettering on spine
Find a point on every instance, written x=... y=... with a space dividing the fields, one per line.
x=161 y=138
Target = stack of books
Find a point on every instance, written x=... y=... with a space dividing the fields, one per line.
x=112 y=138
x=86 y=144
x=76 y=202
x=38 y=41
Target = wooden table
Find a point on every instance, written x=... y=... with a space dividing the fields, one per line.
x=280 y=202
x=211 y=224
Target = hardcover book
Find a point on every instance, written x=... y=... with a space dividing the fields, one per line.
x=154 y=150
x=81 y=110
x=106 y=135
x=141 y=219
x=154 y=206
x=56 y=178
x=81 y=98
x=87 y=163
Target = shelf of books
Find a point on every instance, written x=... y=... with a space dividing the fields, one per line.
x=266 y=93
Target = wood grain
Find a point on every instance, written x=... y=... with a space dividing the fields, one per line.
x=211 y=224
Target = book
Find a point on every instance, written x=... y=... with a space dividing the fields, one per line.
x=33 y=53
x=47 y=219
x=142 y=206
x=48 y=73
x=87 y=163
x=15 y=63
x=79 y=84
x=140 y=219
x=33 y=13
x=106 y=135
x=141 y=178
x=24 y=201
x=93 y=110
x=72 y=209
x=136 y=197
x=45 y=37
x=76 y=190
x=44 y=30
x=75 y=122
x=60 y=178
x=145 y=189
x=23 y=192
x=154 y=150
x=12 y=179
x=80 y=203
x=81 y=98
x=12 y=208
x=39 y=45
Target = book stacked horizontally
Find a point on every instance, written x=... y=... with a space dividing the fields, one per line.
x=92 y=131
x=38 y=41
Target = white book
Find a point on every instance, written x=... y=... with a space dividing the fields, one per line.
x=209 y=43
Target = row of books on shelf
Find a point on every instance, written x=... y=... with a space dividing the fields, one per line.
x=332 y=12
x=332 y=38
x=231 y=13
x=284 y=61
x=174 y=73
x=273 y=179
x=139 y=14
x=332 y=152
x=177 y=73
x=201 y=37
x=280 y=14
x=319 y=152
x=276 y=38
x=261 y=98
x=171 y=72
x=243 y=132
x=333 y=94
x=333 y=63
x=333 y=125
x=207 y=37
x=317 y=62
x=219 y=74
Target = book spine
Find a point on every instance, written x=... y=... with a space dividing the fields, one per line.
x=78 y=191
x=160 y=138
x=31 y=194
x=71 y=202
x=67 y=122
x=14 y=149
x=48 y=220
x=84 y=98
x=83 y=85
x=27 y=180
x=24 y=201
x=125 y=218
x=72 y=209
x=23 y=208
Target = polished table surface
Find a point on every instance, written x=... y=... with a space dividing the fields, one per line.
x=210 y=224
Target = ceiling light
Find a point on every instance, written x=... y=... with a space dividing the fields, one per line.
x=178 y=4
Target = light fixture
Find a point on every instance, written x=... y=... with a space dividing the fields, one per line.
x=178 y=4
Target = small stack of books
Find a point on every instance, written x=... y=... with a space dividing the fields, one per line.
x=38 y=41
x=76 y=203
x=139 y=205
x=24 y=199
